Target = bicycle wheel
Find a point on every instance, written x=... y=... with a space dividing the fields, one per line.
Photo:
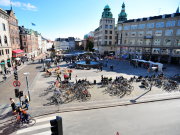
x=31 y=121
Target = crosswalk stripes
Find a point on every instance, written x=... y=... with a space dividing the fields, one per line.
x=4 y=109
x=42 y=127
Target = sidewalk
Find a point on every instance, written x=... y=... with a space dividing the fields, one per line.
x=11 y=69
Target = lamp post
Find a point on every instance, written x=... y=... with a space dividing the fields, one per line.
x=27 y=84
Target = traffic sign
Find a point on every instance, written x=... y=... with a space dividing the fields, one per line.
x=16 y=83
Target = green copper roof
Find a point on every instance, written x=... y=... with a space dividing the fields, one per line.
x=123 y=5
x=122 y=16
x=107 y=12
x=107 y=7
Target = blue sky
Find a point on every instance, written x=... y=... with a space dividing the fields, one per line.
x=63 y=18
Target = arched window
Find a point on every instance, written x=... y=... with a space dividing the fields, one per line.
x=5 y=39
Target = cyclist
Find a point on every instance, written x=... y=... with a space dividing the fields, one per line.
x=24 y=117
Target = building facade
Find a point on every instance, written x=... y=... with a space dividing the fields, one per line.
x=5 y=44
x=29 y=41
x=13 y=30
x=154 y=38
x=104 y=35
x=65 y=43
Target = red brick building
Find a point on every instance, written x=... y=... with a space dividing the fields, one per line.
x=29 y=41
x=13 y=30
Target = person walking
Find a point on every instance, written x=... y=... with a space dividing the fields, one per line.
x=70 y=75
x=5 y=70
x=101 y=68
x=13 y=105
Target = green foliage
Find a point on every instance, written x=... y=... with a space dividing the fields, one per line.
x=89 y=46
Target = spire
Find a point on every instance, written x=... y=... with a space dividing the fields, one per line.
x=107 y=12
x=177 y=11
x=122 y=16
x=11 y=4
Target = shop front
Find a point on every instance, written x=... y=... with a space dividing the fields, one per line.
x=16 y=56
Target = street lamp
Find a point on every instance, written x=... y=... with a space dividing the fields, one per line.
x=27 y=84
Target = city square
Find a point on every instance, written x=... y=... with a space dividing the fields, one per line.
x=121 y=77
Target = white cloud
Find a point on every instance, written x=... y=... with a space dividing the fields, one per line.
x=25 y=6
x=4 y=2
x=28 y=6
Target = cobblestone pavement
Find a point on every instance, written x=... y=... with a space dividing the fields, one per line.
x=40 y=105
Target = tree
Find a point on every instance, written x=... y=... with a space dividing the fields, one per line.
x=89 y=45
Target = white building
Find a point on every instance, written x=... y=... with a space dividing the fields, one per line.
x=5 y=44
x=65 y=43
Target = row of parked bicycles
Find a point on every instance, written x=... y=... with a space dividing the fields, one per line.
x=65 y=92
x=160 y=81
x=122 y=86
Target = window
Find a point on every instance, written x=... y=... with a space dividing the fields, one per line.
x=178 y=24
x=110 y=32
x=106 y=26
x=149 y=33
x=106 y=32
x=106 y=37
x=141 y=33
x=178 y=32
x=134 y=27
x=167 y=41
x=140 y=41
x=2 y=52
x=120 y=28
x=150 y=25
x=176 y=51
x=132 y=41
x=125 y=41
x=5 y=39
x=105 y=42
x=126 y=34
x=110 y=26
x=160 y=25
x=168 y=32
x=24 y=43
x=170 y=23
x=177 y=42
x=141 y=26
x=4 y=27
x=158 y=33
x=7 y=51
x=110 y=37
x=0 y=40
x=133 y=34
x=110 y=42
x=24 y=37
x=126 y=27
x=148 y=41
x=157 y=41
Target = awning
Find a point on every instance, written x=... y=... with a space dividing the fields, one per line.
x=8 y=60
x=2 y=63
x=18 y=51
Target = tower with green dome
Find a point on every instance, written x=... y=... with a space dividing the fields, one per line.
x=104 y=38
x=122 y=16
x=107 y=12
